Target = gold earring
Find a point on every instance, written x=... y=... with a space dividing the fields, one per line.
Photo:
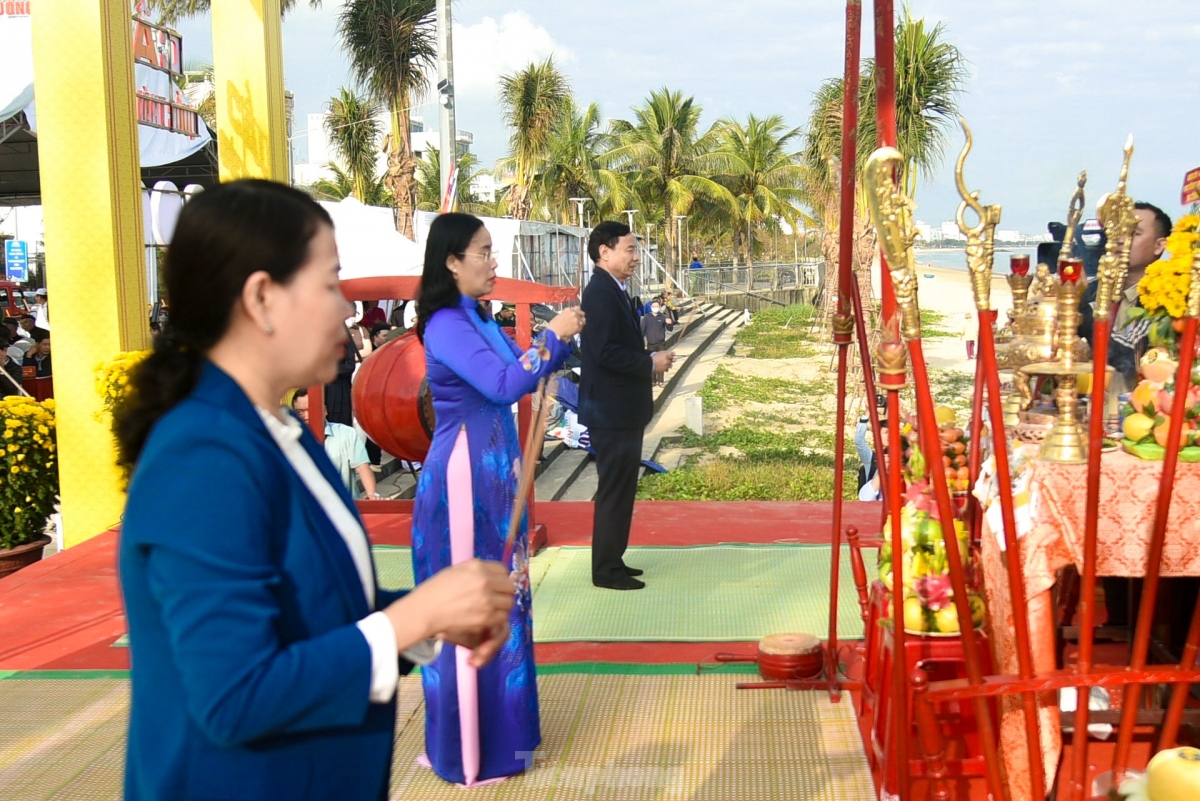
x=268 y=330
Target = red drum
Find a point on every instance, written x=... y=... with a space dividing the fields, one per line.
x=392 y=401
x=790 y=656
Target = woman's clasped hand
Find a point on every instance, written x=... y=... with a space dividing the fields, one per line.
x=467 y=604
x=567 y=323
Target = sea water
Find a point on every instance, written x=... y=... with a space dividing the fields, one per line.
x=956 y=258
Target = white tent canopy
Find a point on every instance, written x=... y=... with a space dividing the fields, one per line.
x=369 y=245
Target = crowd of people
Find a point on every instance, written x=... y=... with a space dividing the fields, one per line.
x=25 y=348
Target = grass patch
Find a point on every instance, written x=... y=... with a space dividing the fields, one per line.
x=953 y=388
x=779 y=332
x=933 y=325
x=770 y=465
x=724 y=387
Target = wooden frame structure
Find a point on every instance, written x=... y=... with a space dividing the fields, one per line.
x=524 y=294
x=930 y=773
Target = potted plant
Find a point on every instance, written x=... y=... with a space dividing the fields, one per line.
x=28 y=479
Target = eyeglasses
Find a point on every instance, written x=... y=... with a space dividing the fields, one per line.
x=486 y=255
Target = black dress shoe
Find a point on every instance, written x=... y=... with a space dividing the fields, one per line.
x=632 y=571
x=619 y=583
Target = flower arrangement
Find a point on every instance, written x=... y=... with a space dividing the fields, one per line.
x=29 y=469
x=1163 y=289
x=112 y=377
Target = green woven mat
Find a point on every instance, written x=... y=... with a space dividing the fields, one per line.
x=697 y=594
x=394 y=566
x=623 y=735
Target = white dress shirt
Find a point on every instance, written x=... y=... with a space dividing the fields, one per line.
x=375 y=627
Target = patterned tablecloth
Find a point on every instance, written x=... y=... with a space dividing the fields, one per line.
x=1051 y=539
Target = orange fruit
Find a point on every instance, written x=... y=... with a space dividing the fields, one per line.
x=1144 y=393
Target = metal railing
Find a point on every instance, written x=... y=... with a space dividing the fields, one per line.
x=759 y=277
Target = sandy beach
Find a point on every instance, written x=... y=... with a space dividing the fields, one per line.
x=948 y=292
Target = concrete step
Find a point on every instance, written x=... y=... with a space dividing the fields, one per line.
x=559 y=476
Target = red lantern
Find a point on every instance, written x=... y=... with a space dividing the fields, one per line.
x=1019 y=264
x=392 y=401
x=1070 y=270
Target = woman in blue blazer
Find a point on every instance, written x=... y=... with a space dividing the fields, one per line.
x=264 y=655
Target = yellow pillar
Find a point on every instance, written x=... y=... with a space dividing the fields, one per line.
x=248 y=65
x=92 y=210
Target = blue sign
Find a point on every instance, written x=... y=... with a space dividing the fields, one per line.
x=16 y=260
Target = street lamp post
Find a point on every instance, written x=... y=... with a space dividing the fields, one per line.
x=679 y=218
x=579 y=201
x=445 y=63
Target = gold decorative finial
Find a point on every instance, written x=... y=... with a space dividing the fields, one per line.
x=1116 y=213
x=891 y=212
x=1074 y=214
x=981 y=238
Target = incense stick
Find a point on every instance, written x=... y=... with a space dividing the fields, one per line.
x=531 y=455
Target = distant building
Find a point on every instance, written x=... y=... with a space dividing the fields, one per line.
x=319 y=153
x=950 y=233
x=1008 y=235
x=924 y=231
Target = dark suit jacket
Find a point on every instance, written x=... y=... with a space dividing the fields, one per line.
x=617 y=371
x=1121 y=357
x=250 y=678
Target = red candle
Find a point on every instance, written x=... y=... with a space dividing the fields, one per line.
x=1070 y=270
x=1019 y=264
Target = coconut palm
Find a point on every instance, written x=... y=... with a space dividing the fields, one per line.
x=391 y=46
x=353 y=128
x=341 y=186
x=571 y=166
x=532 y=102
x=175 y=10
x=766 y=178
x=929 y=75
x=669 y=162
x=429 y=185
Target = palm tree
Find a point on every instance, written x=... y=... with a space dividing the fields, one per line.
x=429 y=184
x=929 y=75
x=571 y=166
x=353 y=128
x=341 y=186
x=175 y=10
x=533 y=101
x=668 y=161
x=391 y=45
x=767 y=178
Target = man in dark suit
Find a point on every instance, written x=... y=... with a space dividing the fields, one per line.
x=615 y=398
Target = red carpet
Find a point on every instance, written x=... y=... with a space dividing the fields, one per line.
x=64 y=613
x=675 y=523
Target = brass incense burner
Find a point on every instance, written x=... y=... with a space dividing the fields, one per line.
x=1067 y=441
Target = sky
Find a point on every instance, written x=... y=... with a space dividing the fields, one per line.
x=1054 y=87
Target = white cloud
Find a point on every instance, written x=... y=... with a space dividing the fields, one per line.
x=490 y=48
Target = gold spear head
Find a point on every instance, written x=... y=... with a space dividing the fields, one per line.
x=1074 y=213
x=891 y=213
x=1116 y=213
x=982 y=236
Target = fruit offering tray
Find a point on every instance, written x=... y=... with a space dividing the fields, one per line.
x=1153 y=452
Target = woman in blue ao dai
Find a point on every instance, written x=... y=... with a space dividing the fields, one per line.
x=476 y=373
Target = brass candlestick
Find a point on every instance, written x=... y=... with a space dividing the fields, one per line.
x=1066 y=442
